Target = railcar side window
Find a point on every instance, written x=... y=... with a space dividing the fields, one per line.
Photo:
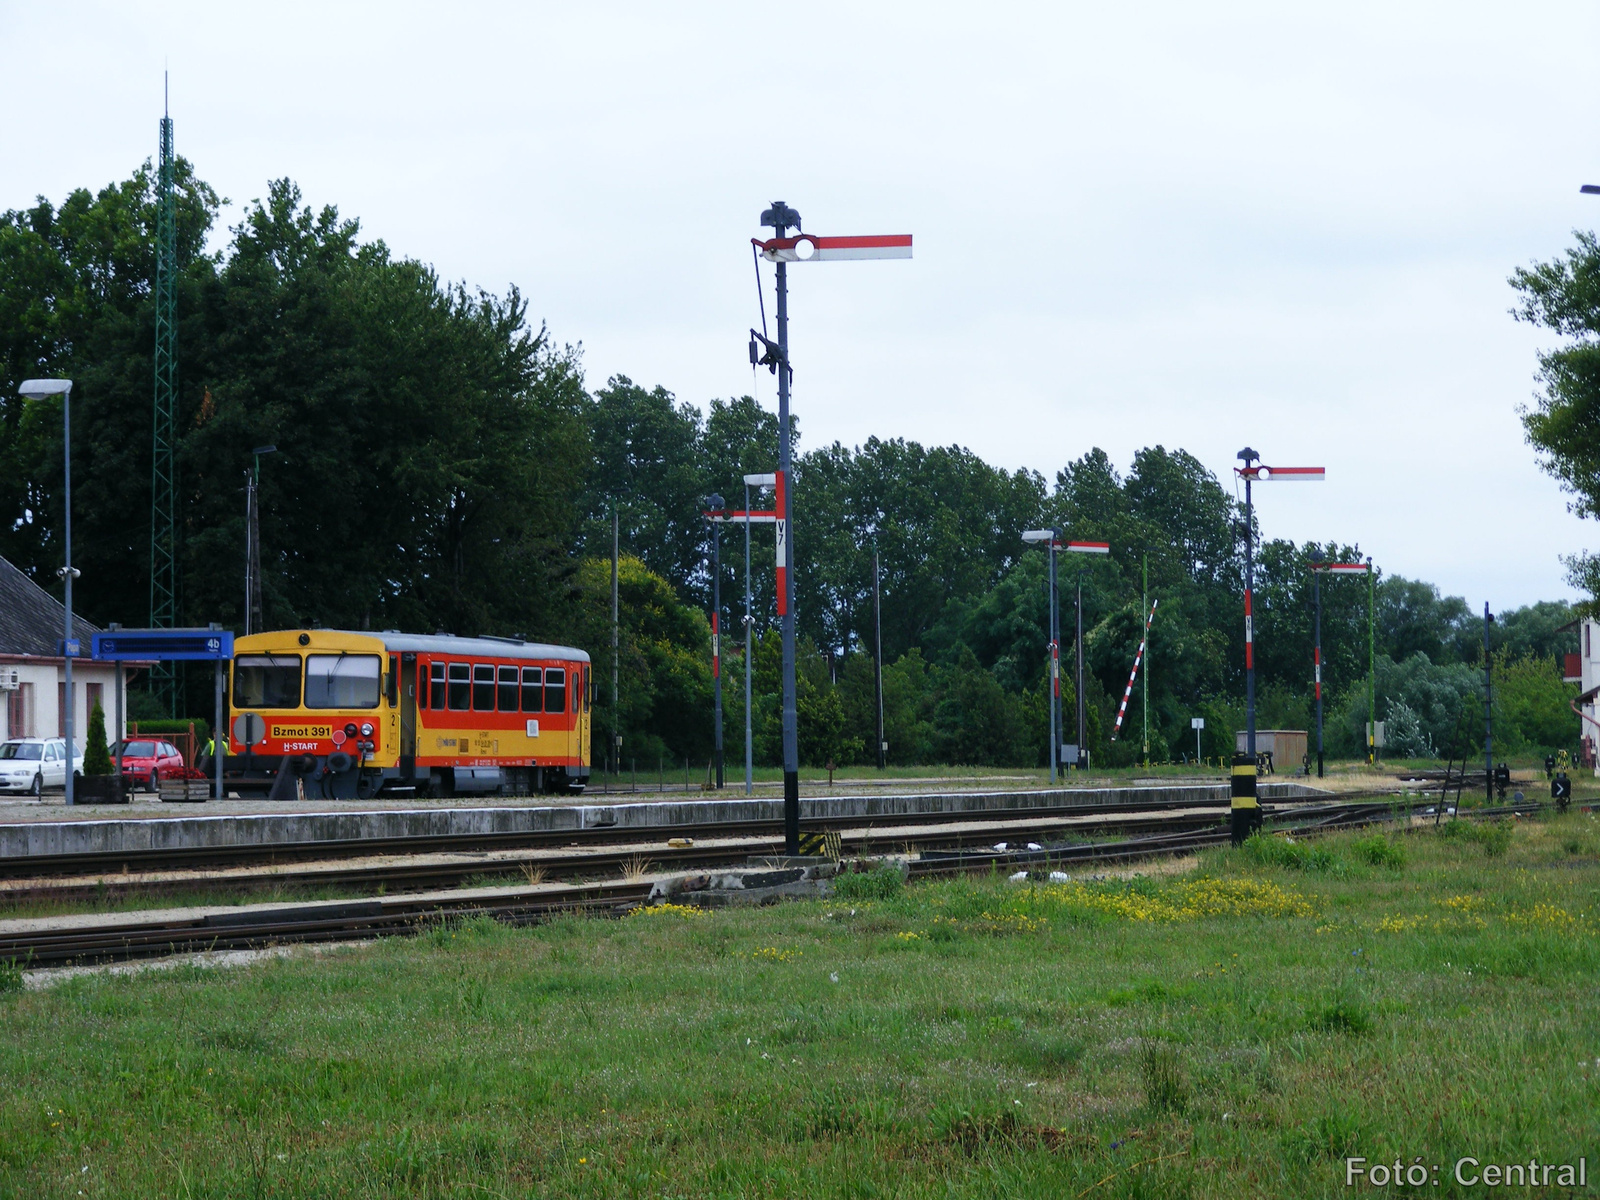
x=460 y=686
x=436 y=684
x=555 y=690
x=508 y=689
x=532 y=689
x=482 y=688
x=343 y=680
x=266 y=681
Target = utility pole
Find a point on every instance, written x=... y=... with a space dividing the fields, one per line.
x=715 y=504
x=252 y=543
x=1372 y=663
x=616 y=727
x=1316 y=659
x=1083 y=750
x=1149 y=658
x=877 y=651
x=1051 y=538
x=163 y=471
x=1488 y=711
x=1318 y=570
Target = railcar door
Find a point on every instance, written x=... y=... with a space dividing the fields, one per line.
x=582 y=707
x=408 y=716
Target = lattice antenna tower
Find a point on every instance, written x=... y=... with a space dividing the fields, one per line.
x=163 y=476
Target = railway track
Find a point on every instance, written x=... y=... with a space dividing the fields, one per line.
x=115 y=936
x=430 y=862
x=279 y=853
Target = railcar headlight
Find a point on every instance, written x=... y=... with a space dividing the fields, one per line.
x=366 y=729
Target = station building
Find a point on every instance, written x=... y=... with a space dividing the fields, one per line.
x=33 y=683
x=1583 y=668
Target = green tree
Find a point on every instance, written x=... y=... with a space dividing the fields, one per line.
x=1563 y=296
x=96 y=757
x=663 y=664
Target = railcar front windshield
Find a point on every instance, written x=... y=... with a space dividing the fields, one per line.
x=266 y=681
x=28 y=750
x=343 y=680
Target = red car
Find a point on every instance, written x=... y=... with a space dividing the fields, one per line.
x=150 y=761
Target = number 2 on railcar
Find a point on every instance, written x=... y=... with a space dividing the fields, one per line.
x=330 y=715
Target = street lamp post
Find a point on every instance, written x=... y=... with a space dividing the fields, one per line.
x=38 y=389
x=768 y=480
x=782 y=250
x=1052 y=540
x=715 y=506
x=1318 y=570
x=1245 y=809
x=877 y=651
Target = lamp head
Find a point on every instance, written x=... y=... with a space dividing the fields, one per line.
x=264 y=450
x=781 y=216
x=1590 y=189
x=37 y=389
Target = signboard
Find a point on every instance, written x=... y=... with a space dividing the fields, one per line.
x=166 y=645
x=1069 y=754
x=1197 y=722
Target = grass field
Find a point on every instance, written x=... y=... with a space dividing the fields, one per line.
x=1232 y=1030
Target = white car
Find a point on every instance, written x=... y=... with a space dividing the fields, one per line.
x=30 y=765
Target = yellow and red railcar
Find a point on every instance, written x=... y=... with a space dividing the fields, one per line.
x=331 y=714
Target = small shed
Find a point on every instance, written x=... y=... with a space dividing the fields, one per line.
x=1287 y=746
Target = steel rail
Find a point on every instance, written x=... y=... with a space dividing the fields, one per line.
x=20 y=866
x=730 y=842
x=105 y=938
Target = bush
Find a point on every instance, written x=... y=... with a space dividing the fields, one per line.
x=883 y=882
x=1288 y=854
x=1493 y=836
x=1379 y=851
x=10 y=978
x=96 y=758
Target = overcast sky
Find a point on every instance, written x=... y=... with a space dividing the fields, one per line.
x=1203 y=226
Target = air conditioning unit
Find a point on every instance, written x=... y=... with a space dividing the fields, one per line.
x=10 y=679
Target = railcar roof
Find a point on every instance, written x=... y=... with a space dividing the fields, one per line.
x=433 y=643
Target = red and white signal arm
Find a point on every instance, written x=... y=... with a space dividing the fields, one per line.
x=1342 y=568
x=807 y=247
x=1088 y=547
x=1264 y=474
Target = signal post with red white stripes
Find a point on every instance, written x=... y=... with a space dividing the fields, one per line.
x=784 y=249
x=1245 y=814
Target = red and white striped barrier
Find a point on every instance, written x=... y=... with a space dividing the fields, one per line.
x=1127 y=692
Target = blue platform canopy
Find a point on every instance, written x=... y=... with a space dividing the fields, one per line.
x=166 y=645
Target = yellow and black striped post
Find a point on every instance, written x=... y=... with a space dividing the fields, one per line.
x=1246 y=814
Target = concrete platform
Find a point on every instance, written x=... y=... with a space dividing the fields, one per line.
x=119 y=831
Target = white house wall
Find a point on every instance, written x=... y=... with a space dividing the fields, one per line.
x=42 y=681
